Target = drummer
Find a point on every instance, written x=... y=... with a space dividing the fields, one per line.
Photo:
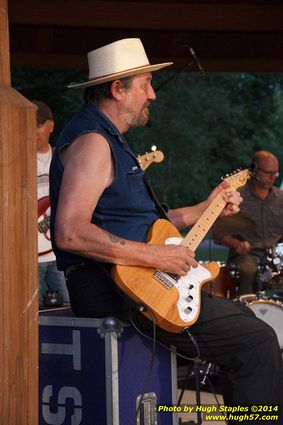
x=258 y=226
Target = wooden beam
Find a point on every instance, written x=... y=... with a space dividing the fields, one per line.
x=245 y=50
x=18 y=250
x=149 y=15
x=243 y=65
x=4 y=45
x=49 y=61
x=69 y=41
x=210 y=64
x=18 y=278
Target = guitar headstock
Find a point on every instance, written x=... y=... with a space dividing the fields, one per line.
x=148 y=158
x=238 y=178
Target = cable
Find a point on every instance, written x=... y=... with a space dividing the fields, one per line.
x=155 y=341
x=194 y=342
x=182 y=356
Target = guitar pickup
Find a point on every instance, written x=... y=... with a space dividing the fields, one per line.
x=167 y=279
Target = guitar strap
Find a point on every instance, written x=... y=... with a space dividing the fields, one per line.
x=161 y=208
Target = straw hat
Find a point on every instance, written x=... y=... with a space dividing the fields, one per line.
x=120 y=59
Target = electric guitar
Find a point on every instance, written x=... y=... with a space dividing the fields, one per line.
x=43 y=225
x=43 y=220
x=174 y=301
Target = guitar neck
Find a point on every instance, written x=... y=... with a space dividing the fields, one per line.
x=204 y=223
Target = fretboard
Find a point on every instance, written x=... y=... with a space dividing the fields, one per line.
x=204 y=223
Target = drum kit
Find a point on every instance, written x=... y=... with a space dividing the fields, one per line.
x=267 y=301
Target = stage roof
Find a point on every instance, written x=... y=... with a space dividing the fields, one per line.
x=239 y=35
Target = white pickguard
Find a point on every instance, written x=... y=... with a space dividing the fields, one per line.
x=189 y=288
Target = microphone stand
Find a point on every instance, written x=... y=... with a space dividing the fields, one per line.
x=195 y=61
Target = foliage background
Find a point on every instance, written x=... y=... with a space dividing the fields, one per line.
x=206 y=127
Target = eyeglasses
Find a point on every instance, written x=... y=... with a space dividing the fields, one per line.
x=269 y=173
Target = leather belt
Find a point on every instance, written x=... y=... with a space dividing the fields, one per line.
x=73 y=267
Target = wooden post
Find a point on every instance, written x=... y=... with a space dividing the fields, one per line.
x=18 y=248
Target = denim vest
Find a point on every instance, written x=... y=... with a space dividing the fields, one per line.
x=126 y=208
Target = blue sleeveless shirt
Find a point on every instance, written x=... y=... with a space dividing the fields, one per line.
x=126 y=208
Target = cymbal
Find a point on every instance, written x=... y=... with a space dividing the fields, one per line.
x=232 y=225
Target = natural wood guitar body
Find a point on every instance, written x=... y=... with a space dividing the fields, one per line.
x=140 y=285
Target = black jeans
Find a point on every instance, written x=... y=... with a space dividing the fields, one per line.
x=228 y=334
x=244 y=347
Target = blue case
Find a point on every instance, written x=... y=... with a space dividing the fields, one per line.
x=93 y=371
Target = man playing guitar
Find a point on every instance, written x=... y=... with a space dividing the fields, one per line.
x=102 y=214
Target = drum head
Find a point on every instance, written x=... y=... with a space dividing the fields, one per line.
x=270 y=312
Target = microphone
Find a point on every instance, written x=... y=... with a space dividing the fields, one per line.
x=197 y=62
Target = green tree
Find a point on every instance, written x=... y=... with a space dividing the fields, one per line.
x=206 y=127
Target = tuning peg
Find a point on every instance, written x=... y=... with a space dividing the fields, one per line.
x=153 y=148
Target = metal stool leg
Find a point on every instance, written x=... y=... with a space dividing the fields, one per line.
x=197 y=381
